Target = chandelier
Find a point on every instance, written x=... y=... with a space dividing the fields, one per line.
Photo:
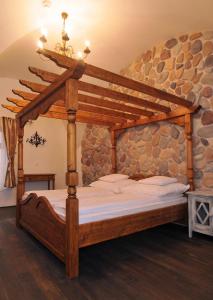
x=64 y=47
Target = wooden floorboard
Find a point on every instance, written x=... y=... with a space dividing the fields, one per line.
x=160 y=263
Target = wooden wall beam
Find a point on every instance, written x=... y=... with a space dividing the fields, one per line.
x=110 y=77
x=189 y=150
x=157 y=118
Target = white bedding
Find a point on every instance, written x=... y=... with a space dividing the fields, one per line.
x=96 y=204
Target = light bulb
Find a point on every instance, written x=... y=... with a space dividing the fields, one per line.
x=40 y=44
x=87 y=43
x=79 y=55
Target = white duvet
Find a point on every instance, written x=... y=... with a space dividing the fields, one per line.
x=96 y=204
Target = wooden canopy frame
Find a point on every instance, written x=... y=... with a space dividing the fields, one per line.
x=63 y=99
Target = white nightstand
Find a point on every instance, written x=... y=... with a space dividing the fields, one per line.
x=200 y=209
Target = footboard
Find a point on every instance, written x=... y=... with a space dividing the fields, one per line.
x=38 y=217
x=99 y=231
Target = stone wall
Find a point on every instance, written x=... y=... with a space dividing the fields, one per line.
x=158 y=149
x=182 y=66
x=96 y=153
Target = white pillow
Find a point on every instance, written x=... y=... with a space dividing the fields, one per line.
x=125 y=182
x=158 y=180
x=154 y=190
x=114 y=177
x=115 y=187
x=105 y=186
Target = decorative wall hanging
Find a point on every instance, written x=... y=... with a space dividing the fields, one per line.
x=36 y=140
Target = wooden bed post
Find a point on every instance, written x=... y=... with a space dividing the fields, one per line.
x=20 y=174
x=113 y=141
x=189 y=149
x=72 y=213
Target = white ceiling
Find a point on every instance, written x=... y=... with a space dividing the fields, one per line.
x=119 y=30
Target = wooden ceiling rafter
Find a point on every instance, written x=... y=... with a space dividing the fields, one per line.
x=22 y=103
x=110 y=77
x=82 y=98
x=58 y=107
x=94 y=89
x=126 y=98
x=32 y=96
x=44 y=75
x=107 y=112
x=25 y=95
x=83 y=118
x=82 y=107
x=113 y=105
x=44 y=100
x=101 y=91
x=34 y=86
x=96 y=104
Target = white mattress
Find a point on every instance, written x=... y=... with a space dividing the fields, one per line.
x=96 y=204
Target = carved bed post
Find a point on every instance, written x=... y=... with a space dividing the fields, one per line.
x=72 y=213
x=113 y=141
x=189 y=149
x=20 y=173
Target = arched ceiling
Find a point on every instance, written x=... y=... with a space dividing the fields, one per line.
x=119 y=30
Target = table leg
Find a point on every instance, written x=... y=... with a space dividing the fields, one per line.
x=48 y=184
x=53 y=183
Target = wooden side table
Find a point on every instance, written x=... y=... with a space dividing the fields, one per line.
x=41 y=177
x=200 y=209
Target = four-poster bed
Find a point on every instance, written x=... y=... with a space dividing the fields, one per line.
x=64 y=99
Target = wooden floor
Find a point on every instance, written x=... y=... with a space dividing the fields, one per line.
x=161 y=263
